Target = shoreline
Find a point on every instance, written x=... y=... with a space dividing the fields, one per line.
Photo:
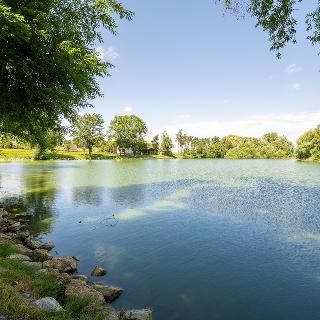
x=27 y=263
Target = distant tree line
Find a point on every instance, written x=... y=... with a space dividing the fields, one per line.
x=127 y=135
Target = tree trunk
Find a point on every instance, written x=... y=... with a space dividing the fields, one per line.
x=90 y=152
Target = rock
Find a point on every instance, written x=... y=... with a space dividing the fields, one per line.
x=48 y=246
x=23 y=215
x=32 y=243
x=33 y=264
x=19 y=257
x=80 y=277
x=23 y=249
x=26 y=294
x=41 y=255
x=43 y=271
x=113 y=315
x=110 y=293
x=75 y=258
x=15 y=227
x=3 y=318
x=48 y=304
x=65 y=264
x=143 y=314
x=7 y=236
x=23 y=235
x=98 y=271
x=80 y=289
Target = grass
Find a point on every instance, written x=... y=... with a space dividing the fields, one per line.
x=16 y=277
x=9 y=154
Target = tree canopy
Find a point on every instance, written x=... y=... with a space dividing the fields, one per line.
x=278 y=19
x=48 y=61
x=87 y=131
x=308 y=145
x=128 y=132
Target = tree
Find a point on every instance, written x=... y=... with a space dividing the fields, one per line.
x=308 y=145
x=155 y=143
x=48 y=61
x=179 y=139
x=278 y=20
x=128 y=132
x=87 y=130
x=166 y=143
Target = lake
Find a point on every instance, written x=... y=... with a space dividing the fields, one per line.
x=192 y=239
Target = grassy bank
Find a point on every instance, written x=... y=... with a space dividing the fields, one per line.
x=17 y=279
x=16 y=154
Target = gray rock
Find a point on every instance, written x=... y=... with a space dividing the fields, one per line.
x=15 y=227
x=143 y=314
x=98 y=271
x=65 y=264
x=43 y=271
x=3 y=318
x=41 y=255
x=26 y=294
x=80 y=289
x=23 y=249
x=32 y=243
x=113 y=315
x=48 y=304
x=33 y=264
x=48 y=246
x=80 y=277
x=23 y=235
x=110 y=293
x=19 y=257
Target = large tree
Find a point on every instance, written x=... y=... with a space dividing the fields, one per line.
x=278 y=19
x=128 y=132
x=87 y=131
x=308 y=145
x=48 y=61
x=166 y=143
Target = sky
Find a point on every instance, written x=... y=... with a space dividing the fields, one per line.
x=186 y=64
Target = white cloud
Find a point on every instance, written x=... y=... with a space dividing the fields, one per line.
x=295 y=86
x=290 y=124
x=292 y=68
x=108 y=54
x=184 y=116
x=128 y=108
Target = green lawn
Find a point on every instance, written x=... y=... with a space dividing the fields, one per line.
x=9 y=154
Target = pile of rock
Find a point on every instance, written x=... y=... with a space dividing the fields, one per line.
x=37 y=253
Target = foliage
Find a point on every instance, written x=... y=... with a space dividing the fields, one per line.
x=278 y=20
x=270 y=146
x=166 y=143
x=87 y=131
x=308 y=145
x=155 y=143
x=128 y=132
x=48 y=61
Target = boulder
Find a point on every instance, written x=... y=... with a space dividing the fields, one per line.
x=41 y=255
x=4 y=318
x=143 y=314
x=98 y=271
x=47 y=246
x=65 y=264
x=32 y=243
x=14 y=227
x=26 y=294
x=80 y=277
x=19 y=257
x=48 y=304
x=23 y=235
x=23 y=249
x=80 y=289
x=110 y=293
x=113 y=315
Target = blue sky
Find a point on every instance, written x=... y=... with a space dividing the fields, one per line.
x=184 y=64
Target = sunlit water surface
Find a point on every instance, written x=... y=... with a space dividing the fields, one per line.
x=192 y=239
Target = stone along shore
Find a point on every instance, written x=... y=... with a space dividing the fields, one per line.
x=31 y=252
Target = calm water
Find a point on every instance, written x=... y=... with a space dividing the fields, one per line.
x=193 y=239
